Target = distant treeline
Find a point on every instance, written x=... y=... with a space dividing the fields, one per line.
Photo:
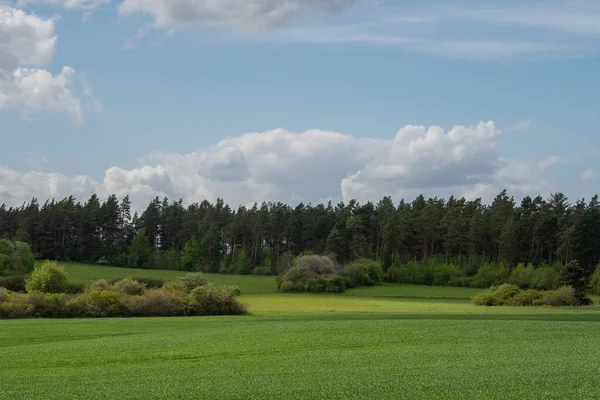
x=264 y=238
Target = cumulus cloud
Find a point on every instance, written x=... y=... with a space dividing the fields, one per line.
x=279 y=165
x=28 y=40
x=246 y=15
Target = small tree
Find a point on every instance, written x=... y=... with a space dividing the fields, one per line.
x=192 y=255
x=140 y=252
x=48 y=278
x=576 y=276
x=6 y=247
x=243 y=263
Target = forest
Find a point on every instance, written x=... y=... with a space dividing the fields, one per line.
x=263 y=238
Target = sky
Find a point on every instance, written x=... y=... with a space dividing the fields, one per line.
x=298 y=100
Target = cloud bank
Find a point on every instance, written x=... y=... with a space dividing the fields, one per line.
x=279 y=165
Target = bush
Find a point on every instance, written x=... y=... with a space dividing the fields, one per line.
x=48 y=278
x=107 y=302
x=366 y=272
x=171 y=300
x=129 y=287
x=490 y=275
x=594 y=282
x=511 y=295
x=546 y=278
x=522 y=276
x=312 y=274
x=263 y=271
x=149 y=283
x=46 y=305
x=525 y=298
x=213 y=300
x=157 y=302
x=563 y=296
x=192 y=280
x=430 y=273
x=99 y=286
x=15 y=283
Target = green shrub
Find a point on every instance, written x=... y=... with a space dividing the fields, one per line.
x=6 y=247
x=511 y=295
x=129 y=287
x=213 y=300
x=49 y=277
x=594 y=282
x=192 y=280
x=356 y=275
x=263 y=271
x=522 y=276
x=563 y=296
x=6 y=265
x=497 y=295
x=546 y=278
x=15 y=283
x=490 y=275
x=525 y=298
x=98 y=286
x=46 y=305
x=149 y=283
x=23 y=258
x=157 y=302
x=107 y=302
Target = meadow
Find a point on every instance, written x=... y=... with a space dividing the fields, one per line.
x=391 y=341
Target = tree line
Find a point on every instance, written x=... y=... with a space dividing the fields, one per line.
x=214 y=237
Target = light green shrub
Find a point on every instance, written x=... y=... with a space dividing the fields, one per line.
x=49 y=277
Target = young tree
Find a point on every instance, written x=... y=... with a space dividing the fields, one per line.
x=192 y=255
x=140 y=252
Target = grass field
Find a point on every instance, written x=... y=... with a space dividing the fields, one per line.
x=393 y=341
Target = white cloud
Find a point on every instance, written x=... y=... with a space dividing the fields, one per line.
x=279 y=165
x=520 y=126
x=86 y=5
x=28 y=40
x=246 y=15
x=589 y=174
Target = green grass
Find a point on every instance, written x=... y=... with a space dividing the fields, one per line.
x=391 y=341
x=84 y=273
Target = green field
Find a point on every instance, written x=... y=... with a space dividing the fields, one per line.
x=392 y=341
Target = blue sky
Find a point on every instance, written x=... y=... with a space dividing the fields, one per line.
x=164 y=94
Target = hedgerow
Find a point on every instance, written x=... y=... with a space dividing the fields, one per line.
x=512 y=295
x=51 y=296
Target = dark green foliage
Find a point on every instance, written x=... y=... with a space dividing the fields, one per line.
x=15 y=283
x=577 y=277
x=431 y=273
x=6 y=248
x=428 y=240
x=511 y=295
x=363 y=272
x=15 y=258
x=168 y=259
x=243 y=264
x=192 y=255
x=140 y=252
x=594 y=282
